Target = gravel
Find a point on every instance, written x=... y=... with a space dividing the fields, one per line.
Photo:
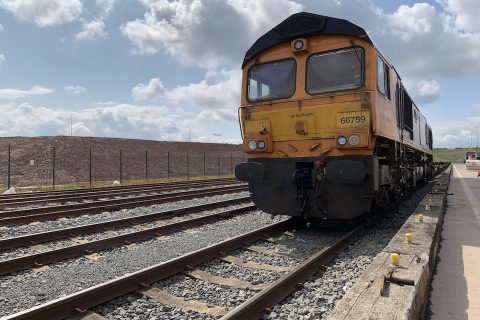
x=224 y=269
x=210 y=293
x=263 y=258
x=35 y=227
x=130 y=307
x=321 y=293
x=26 y=289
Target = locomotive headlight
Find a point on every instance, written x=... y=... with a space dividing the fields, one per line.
x=341 y=140
x=261 y=144
x=353 y=140
x=298 y=44
x=252 y=145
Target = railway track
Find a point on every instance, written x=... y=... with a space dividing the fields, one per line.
x=144 y=281
x=19 y=216
x=40 y=259
x=36 y=198
x=209 y=288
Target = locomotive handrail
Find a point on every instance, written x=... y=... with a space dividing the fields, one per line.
x=240 y=121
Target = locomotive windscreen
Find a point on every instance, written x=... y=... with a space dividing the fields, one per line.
x=271 y=80
x=335 y=70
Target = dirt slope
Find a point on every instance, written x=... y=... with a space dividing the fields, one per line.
x=72 y=159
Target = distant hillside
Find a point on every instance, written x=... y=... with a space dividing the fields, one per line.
x=31 y=159
x=450 y=155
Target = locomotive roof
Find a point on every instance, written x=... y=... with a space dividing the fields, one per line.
x=304 y=24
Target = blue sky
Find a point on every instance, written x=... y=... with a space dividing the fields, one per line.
x=152 y=69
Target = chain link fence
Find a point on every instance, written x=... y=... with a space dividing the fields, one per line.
x=62 y=164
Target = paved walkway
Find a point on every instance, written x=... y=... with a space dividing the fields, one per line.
x=456 y=285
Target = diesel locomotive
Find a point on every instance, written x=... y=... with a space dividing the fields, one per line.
x=328 y=128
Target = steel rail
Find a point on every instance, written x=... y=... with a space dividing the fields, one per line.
x=108 y=189
x=265 y=300
x=44 y=213
x=40 y=259
x=28 y=240
x=91 y=195
x=67 y=306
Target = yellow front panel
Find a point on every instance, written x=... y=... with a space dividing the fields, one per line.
x=355 y=119
x=310 y=122
x=256 y=127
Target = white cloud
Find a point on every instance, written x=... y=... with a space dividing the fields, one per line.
x=420 y=40
x=203 y=108
x=416 y=21
x=92 y=30
x=206 y=34
x=13 y=94
x=465 y=12
x=75 y=89
x=44 y=12
x=455 y=133
x=215 y=99
x=426 y=91
x=104 y=103
x=120 y=120
x=1 y=28
x=152 y=91
x=2 y=59
x=106 y=7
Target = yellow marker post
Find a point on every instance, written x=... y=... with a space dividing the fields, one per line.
x=429 y=203
x=394 y=258
x=408 y=237
x=420 y=217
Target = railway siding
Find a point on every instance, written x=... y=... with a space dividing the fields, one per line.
x=400 y=292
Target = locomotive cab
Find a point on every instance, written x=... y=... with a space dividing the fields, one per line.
x=316 y=105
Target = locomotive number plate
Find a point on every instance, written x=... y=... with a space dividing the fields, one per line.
x=354 y=119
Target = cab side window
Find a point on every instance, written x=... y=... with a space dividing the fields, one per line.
x=383 y=77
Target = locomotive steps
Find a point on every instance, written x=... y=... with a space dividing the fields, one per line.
x=385 y=291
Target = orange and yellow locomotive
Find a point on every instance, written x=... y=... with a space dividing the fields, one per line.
x=329 y=130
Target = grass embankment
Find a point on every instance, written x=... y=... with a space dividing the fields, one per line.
x=450 y=155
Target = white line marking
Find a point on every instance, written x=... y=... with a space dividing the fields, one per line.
x=471 y=198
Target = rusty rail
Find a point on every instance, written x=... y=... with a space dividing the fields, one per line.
x=107 y=189
x=265 y=300
x=94 y=194
x=55 y=212
x=27 y=240
x=39 y=259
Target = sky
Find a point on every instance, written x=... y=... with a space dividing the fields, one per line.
x=171 y=69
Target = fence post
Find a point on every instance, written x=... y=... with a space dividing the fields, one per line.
x=90 y=166
x=9 y=182
x=204 y=165
x=168 y=165
x=120 y=166
x=53 y=168
x=146 y=165
x=218 y=163
x=188 y=168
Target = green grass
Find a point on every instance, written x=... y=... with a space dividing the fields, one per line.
x=102 y=184
x=450 y=155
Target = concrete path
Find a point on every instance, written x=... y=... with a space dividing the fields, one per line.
x=456 y=285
